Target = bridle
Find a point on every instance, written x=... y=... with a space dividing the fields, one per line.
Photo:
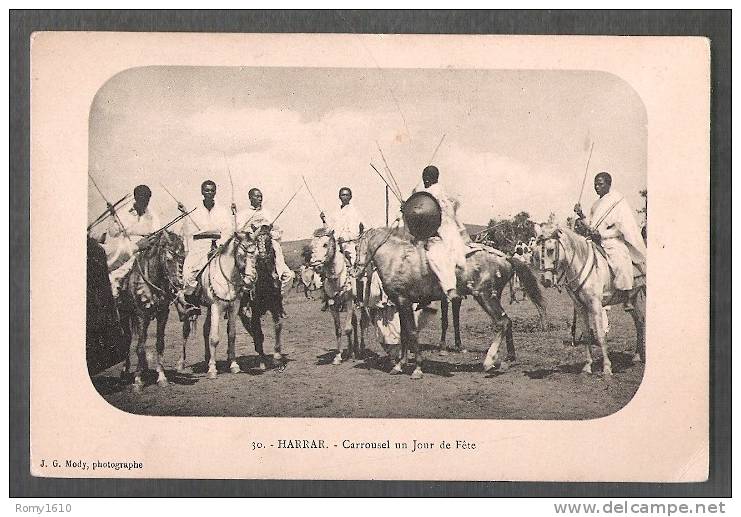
x=358 y=269
x=238 y=245
x=568 y=283
x=169 y=290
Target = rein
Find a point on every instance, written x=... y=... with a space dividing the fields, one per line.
x=166 y=292
x=557 y=260
x=389 y=231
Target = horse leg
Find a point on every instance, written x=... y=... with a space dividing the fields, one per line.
x=188 y=328
x=259 y=338
x=443 y=347
x=142 y=324
x=639 y=319
x=278 y=331
x=161 y=323
x=409 y=335
x=127 y=321
x=500 y=324
x=211 y=335
x=337 y=332
x=457 y=323
x=231 y=337
x=597 y=324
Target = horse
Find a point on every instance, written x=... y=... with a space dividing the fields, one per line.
x=228 y=273
x=265 y=296
x=407 y=278
x=581 y=267
x=327 y=259
x=149 y=289
x=308 y=280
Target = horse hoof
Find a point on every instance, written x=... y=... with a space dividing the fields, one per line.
x=263 y=366
x=607 y=371
x=464 y=351
x=337 y=360
x=235 y=369
x=163 y=383
x=211 y=375
x=587 y=368
x=417 y=373
x=637 y=359
x=278 y=356
x=137 y=387
x=396 y=370
x=443 y=352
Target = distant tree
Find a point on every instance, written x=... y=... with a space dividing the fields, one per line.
x=504 y=234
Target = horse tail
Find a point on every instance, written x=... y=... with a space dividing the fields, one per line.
x=530 y=284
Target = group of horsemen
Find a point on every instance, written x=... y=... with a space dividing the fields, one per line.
x=610 y=223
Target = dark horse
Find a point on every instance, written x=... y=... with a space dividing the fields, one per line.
x=264 y=297
x=151 y=286
x=407 y=278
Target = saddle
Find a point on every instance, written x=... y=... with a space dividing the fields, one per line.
x=473 y=247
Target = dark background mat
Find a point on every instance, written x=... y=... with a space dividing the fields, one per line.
x=715 y=25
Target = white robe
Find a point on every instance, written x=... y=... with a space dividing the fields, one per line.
x=446 y=250
x=346 y=221
x=252 y=216
x=614 y=219
x=218 y=219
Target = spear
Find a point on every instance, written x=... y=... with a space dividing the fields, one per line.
x=179 y=204
x=102 y=217
x=312 y=195
x=286 y=205
x=234 y=206
x=110 y=206
x=386 y=182
x=388 y=169
x=586 y=170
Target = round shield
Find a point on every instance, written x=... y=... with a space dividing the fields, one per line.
x=422 y=215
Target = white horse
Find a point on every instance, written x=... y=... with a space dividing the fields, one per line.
x=579 y=265
x=339 y=287
x=226 y=276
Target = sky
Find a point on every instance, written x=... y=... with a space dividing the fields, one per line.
x=509 y=140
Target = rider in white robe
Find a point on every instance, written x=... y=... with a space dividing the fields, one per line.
x=125 y=234
x=347 y=223
x=446 y=250
x=613 y=220
x=258 y=216
x=209 y=216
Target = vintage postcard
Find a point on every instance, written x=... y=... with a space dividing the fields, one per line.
x=342 y=256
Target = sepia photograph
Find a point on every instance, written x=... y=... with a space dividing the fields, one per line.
x=370 y=257
x=305 y=234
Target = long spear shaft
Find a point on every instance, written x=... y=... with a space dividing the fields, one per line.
x=102 y=217
x=179 y=203
x=436 y=148
x=286 y=205
x=231 y=182
x=386 y=182
x=115 y=215
x=586 y=170
x=178 y=218
x=310 y=194
x=388 y=169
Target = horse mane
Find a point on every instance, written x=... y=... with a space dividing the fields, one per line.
x=578 y=243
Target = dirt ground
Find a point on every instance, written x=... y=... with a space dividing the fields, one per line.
x=545 y=382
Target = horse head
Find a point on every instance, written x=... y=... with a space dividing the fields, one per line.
x=546 y=253
x=172 y=255
x=323 y=248
x=245 y=253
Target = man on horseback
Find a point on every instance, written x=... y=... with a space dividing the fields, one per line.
x=258 y=216
x=127 y=234
x=347 y=224
x=611 y=224
x=446 y=250
x=207 y=226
